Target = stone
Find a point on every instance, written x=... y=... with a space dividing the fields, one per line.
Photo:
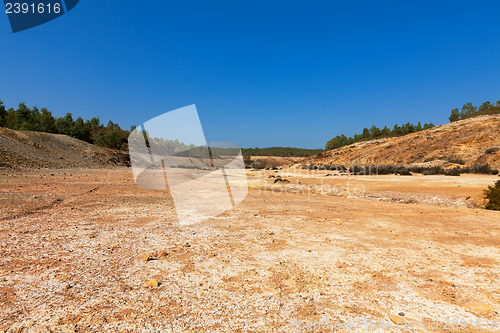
x=397 y=320
x=147 y=257
x=153 y=283
x=480 y=308
x=162 y=254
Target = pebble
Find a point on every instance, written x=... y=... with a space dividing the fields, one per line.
x=147 y=257
x=397 y=320
x=152 y=283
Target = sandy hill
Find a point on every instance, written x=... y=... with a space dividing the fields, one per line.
x=474 y=140
x=25 y=149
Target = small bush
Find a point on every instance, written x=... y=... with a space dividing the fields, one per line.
x=453 y=172
x=259 y=164
x=491 y=151
x=493 y=196
x=484 y=169
x=455 y=159
x=434 y=171
x=281 y=180
x=404 y=172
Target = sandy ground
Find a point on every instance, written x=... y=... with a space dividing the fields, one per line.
x=293 y=257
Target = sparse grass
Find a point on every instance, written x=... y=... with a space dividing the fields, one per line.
x=493 y=196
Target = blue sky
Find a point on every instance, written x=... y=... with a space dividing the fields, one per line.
x=261 y=72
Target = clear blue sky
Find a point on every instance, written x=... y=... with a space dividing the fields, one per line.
x=261 y=72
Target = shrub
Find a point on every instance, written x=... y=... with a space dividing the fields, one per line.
x=259 y=164
x=453 y=172
x=455 y=159
x=404 y=172
x=484 y=169
x=493 y=196
x=434 y=171
x=491 y=150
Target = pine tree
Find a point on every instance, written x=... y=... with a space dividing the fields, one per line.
x=3 y=115
x=455 y=115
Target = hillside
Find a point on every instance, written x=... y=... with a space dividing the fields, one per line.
x=25 y=149
x=468 y=141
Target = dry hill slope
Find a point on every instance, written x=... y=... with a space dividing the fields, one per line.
x=469 y=140
x=25 y=149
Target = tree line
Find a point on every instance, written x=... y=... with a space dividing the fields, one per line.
x=281 y=151
x=469 y=111
x=41 y=120
x=113 y=136
x=375 y=133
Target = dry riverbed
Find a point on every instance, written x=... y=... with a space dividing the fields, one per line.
x=80 y=249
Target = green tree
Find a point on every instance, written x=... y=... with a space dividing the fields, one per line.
x=485 y=106
x=366 y=133
x=385 y=132
x=113 y=139
x=467 y=110
x=10 y=118
x=409 y=128
x=112 y=126
x=396 y=130
x=65 y=124
x=375 y=131
x=493 y=196
x=80 y=131
x=22 y=115
x=47 y=122
x=455 y=115
x=3 y=114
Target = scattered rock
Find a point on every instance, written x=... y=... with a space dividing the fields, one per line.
x=162 y=254
x=480 y=308
x=397 y=320
x=153 y=283
x=148 y=256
